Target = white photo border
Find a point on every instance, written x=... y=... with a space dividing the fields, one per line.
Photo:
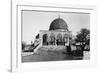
x=18 y=66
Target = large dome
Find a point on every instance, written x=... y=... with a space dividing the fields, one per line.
x=58 y=24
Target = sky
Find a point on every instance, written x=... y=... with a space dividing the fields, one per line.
x=34 y=21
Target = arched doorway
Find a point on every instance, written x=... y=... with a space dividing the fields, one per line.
x=65 y=39
x=45 y=37
x=52 y=39
x=59 y=39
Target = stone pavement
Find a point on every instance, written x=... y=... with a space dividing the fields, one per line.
x=51 y=55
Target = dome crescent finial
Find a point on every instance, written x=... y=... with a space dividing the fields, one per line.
x=59 y=16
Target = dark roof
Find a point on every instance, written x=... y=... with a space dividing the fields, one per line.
x=58 y=24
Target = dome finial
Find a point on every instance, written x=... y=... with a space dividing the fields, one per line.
x=59 y=16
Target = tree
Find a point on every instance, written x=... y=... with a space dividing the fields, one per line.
x=81 y=37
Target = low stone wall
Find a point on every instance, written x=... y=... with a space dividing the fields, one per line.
x=26 y=53
x=53 y=47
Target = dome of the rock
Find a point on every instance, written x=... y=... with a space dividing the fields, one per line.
x=58 y=24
